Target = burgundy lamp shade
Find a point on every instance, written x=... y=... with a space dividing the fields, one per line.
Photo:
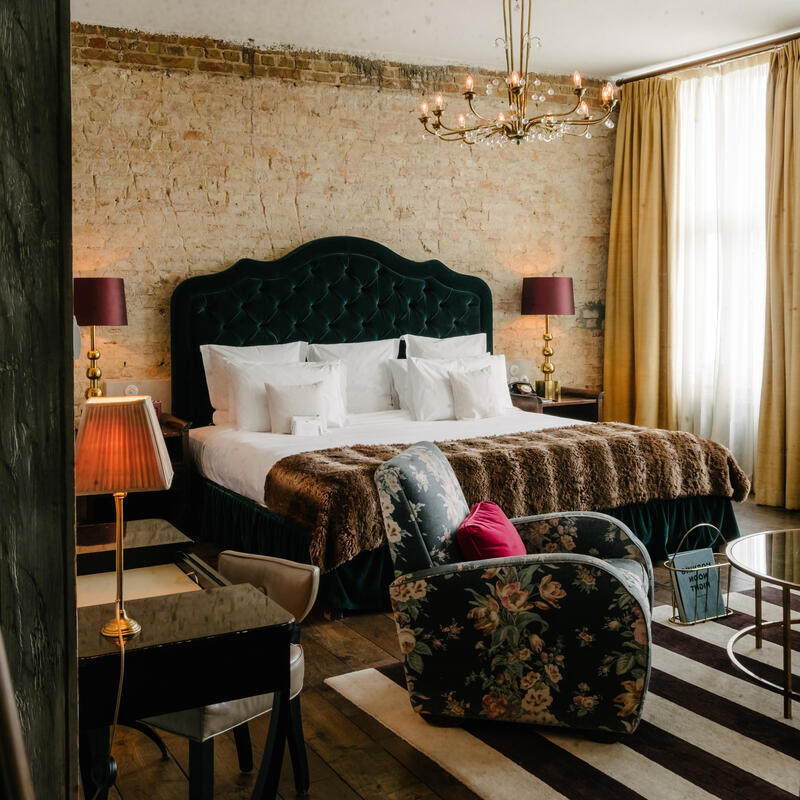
x=547 y=296
x=100 y=301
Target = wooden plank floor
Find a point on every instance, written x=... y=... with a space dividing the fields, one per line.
x=351 y=756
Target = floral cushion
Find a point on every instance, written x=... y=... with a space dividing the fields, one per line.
x=422 y=505
x=550 y=640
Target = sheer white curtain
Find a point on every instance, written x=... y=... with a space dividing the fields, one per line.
x=720 y=276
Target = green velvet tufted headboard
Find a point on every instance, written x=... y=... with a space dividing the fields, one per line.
x=338 y=289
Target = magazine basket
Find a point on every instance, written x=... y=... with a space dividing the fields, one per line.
x=721 y=564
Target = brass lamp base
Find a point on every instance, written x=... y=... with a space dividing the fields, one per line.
x=549 y=390
x=126 y=627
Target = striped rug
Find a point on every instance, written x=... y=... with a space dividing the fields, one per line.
x=707 y=731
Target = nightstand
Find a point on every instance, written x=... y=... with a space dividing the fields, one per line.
x=582 y=404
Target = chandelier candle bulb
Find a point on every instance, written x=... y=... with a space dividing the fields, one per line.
x=584 y=108
x=439 y=102
x=577 y=80
x=462 y=121
x=469 y=83
x=423 y=107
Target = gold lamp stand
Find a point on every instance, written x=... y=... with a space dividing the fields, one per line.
x=548 y=388
x=121 y=624
x=93 y=372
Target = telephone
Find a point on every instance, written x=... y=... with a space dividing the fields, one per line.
x=521 y=387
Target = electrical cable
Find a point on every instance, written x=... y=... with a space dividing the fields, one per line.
x=111 y=767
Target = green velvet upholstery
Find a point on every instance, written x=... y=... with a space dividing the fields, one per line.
x=338 y=289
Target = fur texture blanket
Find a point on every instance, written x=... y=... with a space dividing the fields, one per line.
x=331 y=493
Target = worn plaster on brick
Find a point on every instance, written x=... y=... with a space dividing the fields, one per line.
x=182 y=171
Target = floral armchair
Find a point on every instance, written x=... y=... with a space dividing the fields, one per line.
x=560 y=636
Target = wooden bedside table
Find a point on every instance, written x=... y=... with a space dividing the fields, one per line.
x=582 y=404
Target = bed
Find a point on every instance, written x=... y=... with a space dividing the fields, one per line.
x=343 y=289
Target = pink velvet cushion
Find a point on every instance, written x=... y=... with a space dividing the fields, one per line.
x=488 y=533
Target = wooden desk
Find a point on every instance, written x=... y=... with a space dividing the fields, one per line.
x=196 y=648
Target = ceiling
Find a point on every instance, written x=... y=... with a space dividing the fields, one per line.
x=607 y=38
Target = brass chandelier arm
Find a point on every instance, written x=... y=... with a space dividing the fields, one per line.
x=473 y=111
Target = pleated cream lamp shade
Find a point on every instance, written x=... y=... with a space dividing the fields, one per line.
x=120 y=449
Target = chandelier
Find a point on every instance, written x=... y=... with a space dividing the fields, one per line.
x=515 y=124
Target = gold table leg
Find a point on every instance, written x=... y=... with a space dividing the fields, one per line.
x=787 y=653
x=759 y=618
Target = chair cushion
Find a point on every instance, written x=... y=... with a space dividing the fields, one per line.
x=633 y=572
x=205 y=722
x=422 y=505
x=488 y=533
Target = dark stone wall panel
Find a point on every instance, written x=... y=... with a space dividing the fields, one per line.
x=37 y=552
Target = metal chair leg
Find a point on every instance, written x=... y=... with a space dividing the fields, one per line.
x=201 y=770
x=244 y=748
x=150 y=734
x=297 y=747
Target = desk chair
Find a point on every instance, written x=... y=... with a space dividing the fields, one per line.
x=294 y=587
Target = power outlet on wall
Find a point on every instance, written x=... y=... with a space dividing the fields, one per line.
x=157 y=388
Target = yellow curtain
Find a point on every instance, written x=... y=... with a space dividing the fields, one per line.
x=777 y=479
x=636 y=370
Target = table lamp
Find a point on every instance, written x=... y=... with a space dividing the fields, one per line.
x=120 y=449
x=547 y=295
x=98 y=301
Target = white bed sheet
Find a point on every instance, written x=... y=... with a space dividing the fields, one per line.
x=240 y=460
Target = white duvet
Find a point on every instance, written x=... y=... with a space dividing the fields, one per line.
x=240 y=460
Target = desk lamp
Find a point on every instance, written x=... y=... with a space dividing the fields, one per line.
x=98 y=301
x=120 y=449
x=547 y=295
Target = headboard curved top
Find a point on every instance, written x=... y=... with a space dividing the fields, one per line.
x=337 y=289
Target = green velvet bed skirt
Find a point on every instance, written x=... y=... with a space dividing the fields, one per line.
x=237 y=523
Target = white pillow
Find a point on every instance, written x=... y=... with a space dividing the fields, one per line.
x=249 y=394
x=215 y=357
x=430 y=393
x=290 y=400
x=220 y=418
x=369 y=384
x=474 y=396
x=398 y=367
x=452 y=347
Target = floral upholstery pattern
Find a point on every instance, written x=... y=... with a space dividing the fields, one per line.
x=587 y=532
x=558 y=637
x=550 y=640
x=422 y=505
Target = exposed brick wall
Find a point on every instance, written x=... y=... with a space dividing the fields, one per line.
x=181 y=168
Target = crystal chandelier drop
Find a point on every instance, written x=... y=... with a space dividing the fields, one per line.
x=515 y=124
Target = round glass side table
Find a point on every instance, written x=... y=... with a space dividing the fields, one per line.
x=771 y=557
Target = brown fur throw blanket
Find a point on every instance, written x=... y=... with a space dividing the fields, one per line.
x=331 y=493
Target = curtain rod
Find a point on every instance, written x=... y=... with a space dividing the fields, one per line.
x=707 y=61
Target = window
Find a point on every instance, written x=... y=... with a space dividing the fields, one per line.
x=720 y=275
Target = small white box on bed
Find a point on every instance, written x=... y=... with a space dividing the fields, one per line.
x=307 y=426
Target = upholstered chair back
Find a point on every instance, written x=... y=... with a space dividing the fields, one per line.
x=423 y=506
